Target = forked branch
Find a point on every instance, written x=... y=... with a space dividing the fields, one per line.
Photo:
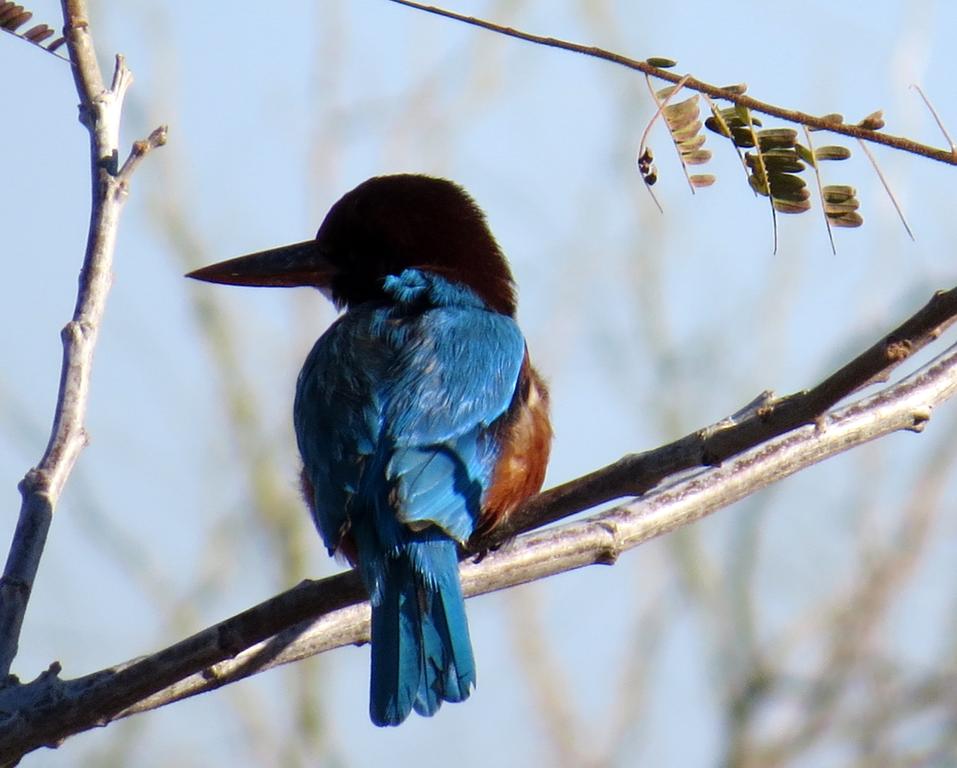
x=100 y=109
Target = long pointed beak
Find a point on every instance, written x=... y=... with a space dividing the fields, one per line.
x=286 y=266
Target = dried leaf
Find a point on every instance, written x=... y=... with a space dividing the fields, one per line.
x=697 y=157
x=805 y=154
x=733 y=119
x=8 y=11
x=785 y=166
x=38 y=34
x=692 y=142
x=776 y=138
x=722 y=123
x=832 y=152
x=702 y=179
x=848 y=220
x=682 y=111
x=758 y=184
x=782 y=161
x=839 y=193
x=776 y=160
x=792 y=195
x=742 y=137
x=687 y=132
x=13 y=17
x=851 y=205
x=16 y=20
x=784 y=183
x=719 y=127
x=744 y=115
x=791 y=206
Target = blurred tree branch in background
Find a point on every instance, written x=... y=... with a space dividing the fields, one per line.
x=752 y=667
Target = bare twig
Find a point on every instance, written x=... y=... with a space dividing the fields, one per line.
x=887 y=188
x=933 y=112
x=100 y=109
x=319 y=615
x=761 y=172
x=825 y=123
x=820 y=189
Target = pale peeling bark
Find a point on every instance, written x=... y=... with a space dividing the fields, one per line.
x=100 y=110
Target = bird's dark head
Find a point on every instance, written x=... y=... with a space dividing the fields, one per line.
x=382 y=227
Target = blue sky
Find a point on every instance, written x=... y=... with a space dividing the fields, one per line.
x=646 y=325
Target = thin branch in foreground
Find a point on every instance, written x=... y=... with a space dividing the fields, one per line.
x=316 y=616
x=40 y=489
x=825 y=123
x=887 y=188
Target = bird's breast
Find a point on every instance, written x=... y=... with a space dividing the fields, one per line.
x=524 y=436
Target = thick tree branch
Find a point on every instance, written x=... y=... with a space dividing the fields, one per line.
x=825 y=123
x=40 y=489
x=319 y=615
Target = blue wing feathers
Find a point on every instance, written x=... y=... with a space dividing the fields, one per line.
x=392 y=414
x=441 y=485
x=460 y=373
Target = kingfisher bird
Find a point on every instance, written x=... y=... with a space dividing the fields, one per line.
x=419 y=418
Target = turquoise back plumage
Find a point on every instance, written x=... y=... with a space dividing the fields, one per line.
x=395 y=415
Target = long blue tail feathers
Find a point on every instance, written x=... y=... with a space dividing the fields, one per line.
x=421 y=652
